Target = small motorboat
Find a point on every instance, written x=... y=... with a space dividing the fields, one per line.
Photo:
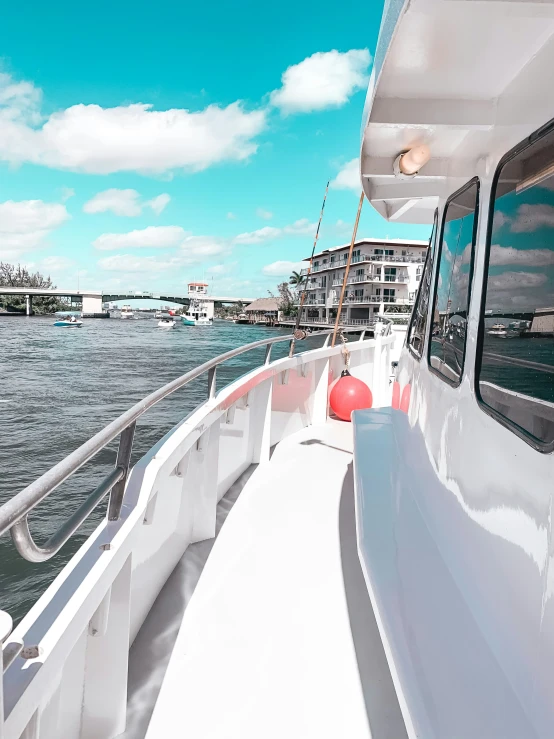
x=167 y=323
x=68 y=323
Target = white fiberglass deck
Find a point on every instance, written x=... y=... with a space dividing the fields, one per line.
x=279 y=637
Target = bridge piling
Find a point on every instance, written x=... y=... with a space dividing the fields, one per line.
x=28 y=305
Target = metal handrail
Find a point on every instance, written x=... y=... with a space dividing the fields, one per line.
x=14 y=513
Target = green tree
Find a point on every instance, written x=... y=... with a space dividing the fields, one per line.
x=18 y=276
x=285 y=299
x=296 y=279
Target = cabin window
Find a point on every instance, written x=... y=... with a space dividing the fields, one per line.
x=453 y=283
x=515 y=373
x=418 y=325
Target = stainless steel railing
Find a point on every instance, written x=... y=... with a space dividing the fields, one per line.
x=14 y=513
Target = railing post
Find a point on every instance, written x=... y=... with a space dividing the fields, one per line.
x=5 y=630
x=212 y=372
x=268 y=354
x=123 y=461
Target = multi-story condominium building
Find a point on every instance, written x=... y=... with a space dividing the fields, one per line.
x=384 y=277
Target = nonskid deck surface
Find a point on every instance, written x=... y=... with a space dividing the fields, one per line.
x=153 y=645
x=279 y=638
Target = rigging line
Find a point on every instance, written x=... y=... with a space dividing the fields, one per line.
x=354 y=233
x=303 y=295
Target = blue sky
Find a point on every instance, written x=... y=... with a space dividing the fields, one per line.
x=145 y=146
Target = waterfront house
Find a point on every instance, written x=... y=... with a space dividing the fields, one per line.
x=384 y=277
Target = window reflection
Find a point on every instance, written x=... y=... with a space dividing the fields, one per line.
x=517 y=363
x=418 y=325
x=450 y=308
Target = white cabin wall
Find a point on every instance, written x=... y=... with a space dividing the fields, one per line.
x=492 y=528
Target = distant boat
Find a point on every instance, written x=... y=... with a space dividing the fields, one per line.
x=167 y=323
x=499 y=329
x=68 y=323
x=126 y=312
x=196 y=315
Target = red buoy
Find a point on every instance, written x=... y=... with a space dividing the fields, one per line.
x=349 y=394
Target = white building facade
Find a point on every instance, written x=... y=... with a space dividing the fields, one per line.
x=384 y=277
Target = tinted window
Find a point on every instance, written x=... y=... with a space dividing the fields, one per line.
x=516 y=377
x=450 y=307
x=416 y=332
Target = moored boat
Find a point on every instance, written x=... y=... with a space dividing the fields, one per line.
x=127 y=312
x=498 y=329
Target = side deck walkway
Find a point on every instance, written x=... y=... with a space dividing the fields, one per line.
x=279 y=639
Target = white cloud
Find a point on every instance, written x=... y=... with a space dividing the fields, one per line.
x=155 y=237
x=267 y=215
x=532 y=217
x=231 y=216
x=19 y=101
x=515 y=281
x=124 y=203
x=221 y=269
x=25 y=224
x=56 y=264
x=259 y=236
x=303 y=226
x=132 y=263
x=502 y=255
x=92 y=139
x=119 y=202
x=159 y=203
x=342 y=228
x=267 y=233
x=282 y=268
x=194 y=248
x=348 y=177
x=500 y=219
x=323 y=80
x=67 y=192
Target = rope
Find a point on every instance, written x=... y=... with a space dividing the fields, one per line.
x=345 y=353
x=347 y=270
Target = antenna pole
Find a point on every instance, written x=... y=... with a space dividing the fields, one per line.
x=346 y=271
x=303 y=295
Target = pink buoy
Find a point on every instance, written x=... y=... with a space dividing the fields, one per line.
x=349 y=394
x=405 y=399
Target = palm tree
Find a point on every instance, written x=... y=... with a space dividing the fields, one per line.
x=296 y=279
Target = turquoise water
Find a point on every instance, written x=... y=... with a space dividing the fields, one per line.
x=59 y=387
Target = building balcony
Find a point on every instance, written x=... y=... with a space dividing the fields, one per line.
x=398 y=279
x=375 y=299
x=382 y=258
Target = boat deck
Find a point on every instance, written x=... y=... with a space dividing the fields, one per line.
x=279 y=638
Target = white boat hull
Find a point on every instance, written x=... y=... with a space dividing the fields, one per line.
x=96 y=606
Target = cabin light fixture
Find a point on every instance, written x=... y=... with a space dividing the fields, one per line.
x=535 y=179
x=408 y=163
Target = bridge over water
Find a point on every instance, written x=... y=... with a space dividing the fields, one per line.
x=93 y=299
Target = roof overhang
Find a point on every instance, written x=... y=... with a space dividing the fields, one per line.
x=469 y=78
